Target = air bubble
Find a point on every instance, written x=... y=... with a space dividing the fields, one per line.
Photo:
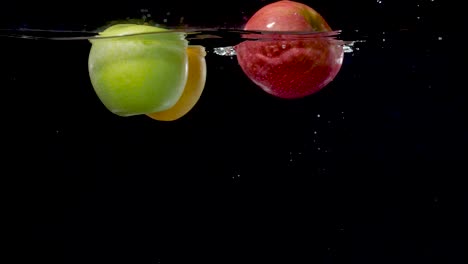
x=225 y=51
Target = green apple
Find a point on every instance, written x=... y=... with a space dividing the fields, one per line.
x=135 y=73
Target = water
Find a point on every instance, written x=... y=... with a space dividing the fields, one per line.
x=235 y=36
x=368 y=170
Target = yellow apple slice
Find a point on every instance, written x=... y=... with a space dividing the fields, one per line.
x=193 y=88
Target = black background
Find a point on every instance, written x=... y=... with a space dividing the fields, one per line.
x=369 y=170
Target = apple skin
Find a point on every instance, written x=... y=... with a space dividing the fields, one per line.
x=289 y=68
x=139 y=74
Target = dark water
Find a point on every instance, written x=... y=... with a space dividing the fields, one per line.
x=368 y=170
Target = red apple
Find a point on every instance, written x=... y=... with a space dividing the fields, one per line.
x=289 y=67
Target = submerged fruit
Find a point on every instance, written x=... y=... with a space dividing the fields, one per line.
x=286 y=67
x=193 y=89
x=138 y=74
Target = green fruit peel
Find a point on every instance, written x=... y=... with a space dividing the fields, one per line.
x=138 y=74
